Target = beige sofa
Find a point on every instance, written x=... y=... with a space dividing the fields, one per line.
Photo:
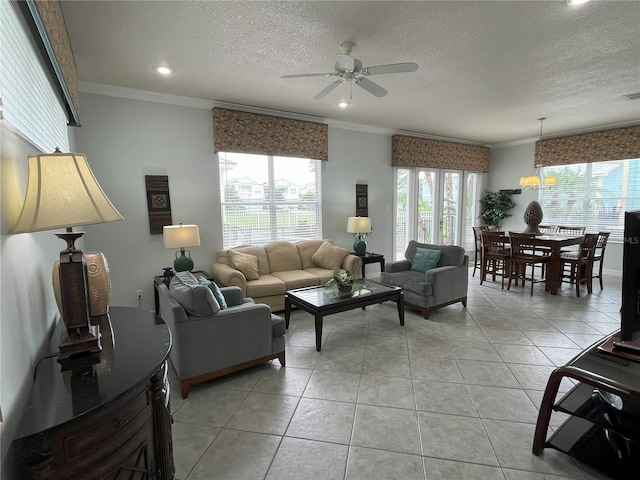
x=266 y=273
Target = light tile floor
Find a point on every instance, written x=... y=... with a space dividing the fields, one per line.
x=452 y=397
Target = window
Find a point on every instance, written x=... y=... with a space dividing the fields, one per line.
x=267 y=198
x=28 y=102
x=595 y=195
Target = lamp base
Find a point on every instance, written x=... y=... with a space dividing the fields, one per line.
x=72 y=343
x=183 y=263
x=360 y=246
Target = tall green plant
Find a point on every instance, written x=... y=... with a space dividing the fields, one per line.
x=496 y=207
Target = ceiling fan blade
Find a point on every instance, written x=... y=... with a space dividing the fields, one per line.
x=392 y=68
x=371 y=87
x=323 y=93
x=302 y=75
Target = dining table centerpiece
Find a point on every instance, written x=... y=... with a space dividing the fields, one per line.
x=341 y=279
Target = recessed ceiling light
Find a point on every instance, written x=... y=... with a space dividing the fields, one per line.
x=344 y=104
x=574 y=3
x=164 y=70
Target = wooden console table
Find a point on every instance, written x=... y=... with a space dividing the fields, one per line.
x=603 y=428
x=107 y=415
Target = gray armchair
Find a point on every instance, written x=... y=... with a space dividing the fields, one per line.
x=437 y=287
x=209 y=342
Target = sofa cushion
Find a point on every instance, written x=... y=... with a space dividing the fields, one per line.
x=425 y=259
x=282 y=256
x=306 y=249
x=265 y=286
x=216 y=292
x=196 y=299
x=246 y=263
x=411 y=281
x=329 y=255
x=297 y=278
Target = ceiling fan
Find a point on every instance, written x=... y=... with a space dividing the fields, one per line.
x=350 y=69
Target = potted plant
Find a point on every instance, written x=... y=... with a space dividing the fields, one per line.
x=496 y=207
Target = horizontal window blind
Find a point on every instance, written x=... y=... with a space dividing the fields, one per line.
x=29 y=103
x=266 y=198
x=594 y=195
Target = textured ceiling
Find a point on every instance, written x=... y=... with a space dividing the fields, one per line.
x=487 y=70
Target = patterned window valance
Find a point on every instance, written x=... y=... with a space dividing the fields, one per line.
x=618 y=144
x=423 y=152
x=50 y=31
x=242 y=132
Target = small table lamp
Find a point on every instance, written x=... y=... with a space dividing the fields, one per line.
x=180 y=236
x=361 y=226
x=63 y=193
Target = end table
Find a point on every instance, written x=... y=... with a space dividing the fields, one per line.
x=369 y=257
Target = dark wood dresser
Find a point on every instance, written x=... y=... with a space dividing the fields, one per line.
x=107 y=417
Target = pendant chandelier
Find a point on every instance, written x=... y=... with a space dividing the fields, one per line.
x=536 y=182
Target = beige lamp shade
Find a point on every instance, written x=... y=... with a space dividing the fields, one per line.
x=177 y=236
x=359 y=225
x=61 y=193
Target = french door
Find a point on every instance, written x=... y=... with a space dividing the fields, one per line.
x=434 y=206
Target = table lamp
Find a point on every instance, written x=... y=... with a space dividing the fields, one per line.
x=62 y=192
x=361 y=226
x=180 y=236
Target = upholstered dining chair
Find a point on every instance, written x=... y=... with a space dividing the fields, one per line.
x=578 y=266
x=598 y=256
x=525 y=254
x=496 y=255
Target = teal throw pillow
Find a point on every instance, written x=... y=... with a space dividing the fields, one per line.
x=425 y=259
x=216 y=292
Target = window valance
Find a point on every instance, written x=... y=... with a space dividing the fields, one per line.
x=50 y=32
x=423 y=152
x=618 y=144
x=242 y=132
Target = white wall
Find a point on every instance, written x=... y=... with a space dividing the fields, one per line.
x=27 y=306
x=125 y=139
x=508 y=164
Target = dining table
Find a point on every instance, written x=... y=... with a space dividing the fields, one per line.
x=555 y=242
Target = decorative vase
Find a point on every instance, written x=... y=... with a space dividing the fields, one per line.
x=532 y=217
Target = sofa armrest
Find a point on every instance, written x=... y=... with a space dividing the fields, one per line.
x=448 y=283
x=352 y=264
x=233 y=295
x=227 y=276
x=397 y=266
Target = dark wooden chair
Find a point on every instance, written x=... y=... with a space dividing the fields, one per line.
x=525 y=254
x=571 y=230
x=577 y=266
x=548 y=228
x=478 y=243
x=598 y=256
x=496 y=256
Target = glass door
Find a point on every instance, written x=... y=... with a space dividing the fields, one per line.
x=434 y=206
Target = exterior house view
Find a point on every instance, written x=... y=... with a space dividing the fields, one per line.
x=206 y=323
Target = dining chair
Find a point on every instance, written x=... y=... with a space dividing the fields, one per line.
x=548 y=228
x=598 y=255
x=525 y=253
x=580 y=263
x=571 y=230
x=478 y=241
x=496 y=255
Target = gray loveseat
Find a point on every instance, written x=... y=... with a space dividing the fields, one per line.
x=208 y=341
x=426 y=291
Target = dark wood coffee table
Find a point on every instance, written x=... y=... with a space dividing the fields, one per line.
x=320 y=301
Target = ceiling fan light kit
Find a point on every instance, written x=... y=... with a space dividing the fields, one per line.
x=350 y=70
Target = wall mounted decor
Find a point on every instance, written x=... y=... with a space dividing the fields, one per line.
x=362 y=200
x=158 y=202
